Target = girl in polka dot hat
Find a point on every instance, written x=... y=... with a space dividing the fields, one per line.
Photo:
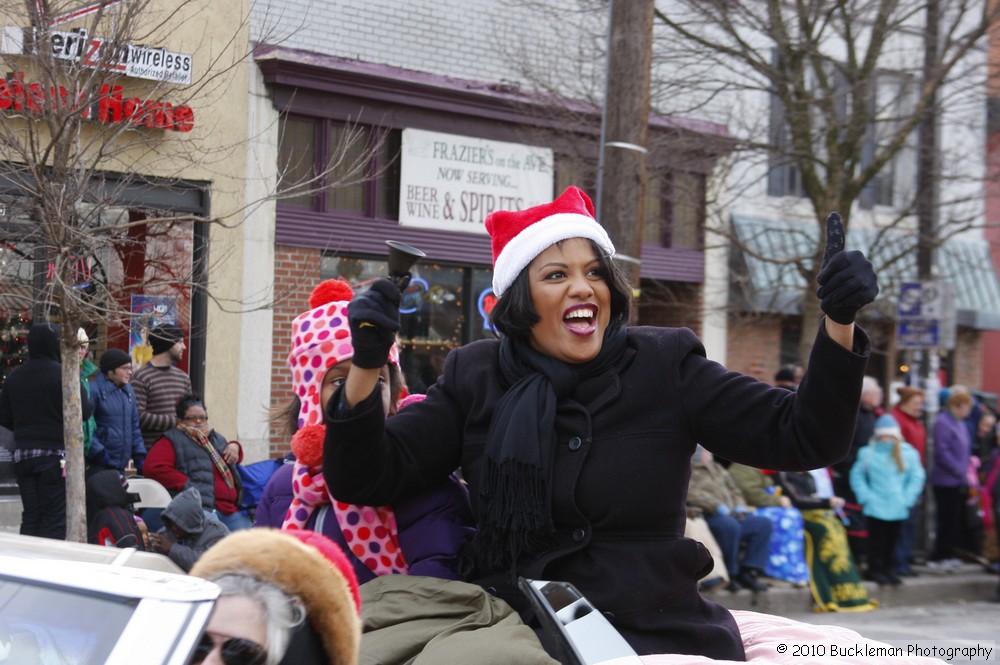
x=420 y=536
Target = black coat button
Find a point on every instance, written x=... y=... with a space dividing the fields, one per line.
x=575 y=443
x=579 y=534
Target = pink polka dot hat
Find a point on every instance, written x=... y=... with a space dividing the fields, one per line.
x=321 y=338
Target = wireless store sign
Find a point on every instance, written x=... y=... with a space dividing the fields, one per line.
x=111 y=105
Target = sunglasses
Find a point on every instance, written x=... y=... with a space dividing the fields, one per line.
x=235 y=651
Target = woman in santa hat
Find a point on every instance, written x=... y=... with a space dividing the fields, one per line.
x=575 y=431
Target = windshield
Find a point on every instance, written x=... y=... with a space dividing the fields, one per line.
x=50 y=626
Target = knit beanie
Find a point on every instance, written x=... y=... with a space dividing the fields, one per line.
x=518 y=236
x=164 y=336
x=886 y=425
x=304 y=564
x=112 y=359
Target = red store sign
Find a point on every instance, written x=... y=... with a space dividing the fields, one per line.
x=111 y=107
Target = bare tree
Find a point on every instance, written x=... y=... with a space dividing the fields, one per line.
x=75 y=147
x=849 y=87
x=821 y=98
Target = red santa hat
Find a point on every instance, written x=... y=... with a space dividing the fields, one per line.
x=518 y=236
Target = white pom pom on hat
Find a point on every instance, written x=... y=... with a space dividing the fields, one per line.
x=518 y=236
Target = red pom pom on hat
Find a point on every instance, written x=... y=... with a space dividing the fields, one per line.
x=518 y=236
x=330 y=290
x=332 y=552
x=307 y=445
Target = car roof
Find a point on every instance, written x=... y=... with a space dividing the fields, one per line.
x=31 y=547
x=61 y=596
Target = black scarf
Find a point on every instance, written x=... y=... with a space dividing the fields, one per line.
x=515 y=507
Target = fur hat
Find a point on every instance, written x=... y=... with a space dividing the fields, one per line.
x=81 y=336
x=518 y=236
x=308 y=565
x=112 y=359
x=886 y=425
x=163 y=337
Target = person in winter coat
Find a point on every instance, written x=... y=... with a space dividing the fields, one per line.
x=117 y=438
x=315 y=581
x=193 y=454
x=426 y=531
x=31 y=406
x=187 y=532
x=909 y=413
x=575 y=431
x=887 y=478
x=743 y=537
x=110 y=520
x=87 y=370
x=834 y=582
x=952 y=447
x=786 y=557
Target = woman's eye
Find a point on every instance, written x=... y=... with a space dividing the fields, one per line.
x=557 y=274
x=338 y=382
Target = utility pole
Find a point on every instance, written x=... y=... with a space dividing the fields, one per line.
x=927 y=212
x=621 y=178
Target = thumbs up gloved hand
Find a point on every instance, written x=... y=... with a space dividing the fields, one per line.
x=847 y=280
x=374 y=319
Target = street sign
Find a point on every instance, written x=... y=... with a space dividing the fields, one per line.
x=917 y=334
x=925 y=316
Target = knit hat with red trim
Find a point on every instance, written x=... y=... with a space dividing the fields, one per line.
x=518 y=236
x=321 y=338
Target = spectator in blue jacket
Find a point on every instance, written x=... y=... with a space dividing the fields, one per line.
x=118 y=437
x=887 y=479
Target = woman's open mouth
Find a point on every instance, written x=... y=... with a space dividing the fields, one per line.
x=581 y=319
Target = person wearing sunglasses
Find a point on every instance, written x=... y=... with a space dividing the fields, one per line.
x=302 y=612
x=194 y=454
x=250 y=625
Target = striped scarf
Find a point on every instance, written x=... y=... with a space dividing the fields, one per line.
x=201 y=439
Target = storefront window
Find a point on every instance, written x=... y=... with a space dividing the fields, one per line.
x=296 y=158
x=339 y=167
x=442 y=308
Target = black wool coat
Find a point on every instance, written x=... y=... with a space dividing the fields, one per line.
x=621 y=467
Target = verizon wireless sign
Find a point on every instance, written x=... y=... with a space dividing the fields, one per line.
x=77 y=45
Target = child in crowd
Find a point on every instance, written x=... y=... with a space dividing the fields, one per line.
x=887 y=479
x=420 y=536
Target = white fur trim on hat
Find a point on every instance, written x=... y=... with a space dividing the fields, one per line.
x=522 y=249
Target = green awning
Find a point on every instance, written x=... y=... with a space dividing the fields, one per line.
x=765 y=279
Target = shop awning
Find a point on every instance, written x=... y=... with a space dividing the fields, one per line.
x=774 y=285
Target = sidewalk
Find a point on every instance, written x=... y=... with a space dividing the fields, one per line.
x=968 y=583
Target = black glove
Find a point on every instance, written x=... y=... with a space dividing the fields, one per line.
x=847 y=280
x=374 y=319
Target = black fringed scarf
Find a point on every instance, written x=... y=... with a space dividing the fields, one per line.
x=515 y=507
